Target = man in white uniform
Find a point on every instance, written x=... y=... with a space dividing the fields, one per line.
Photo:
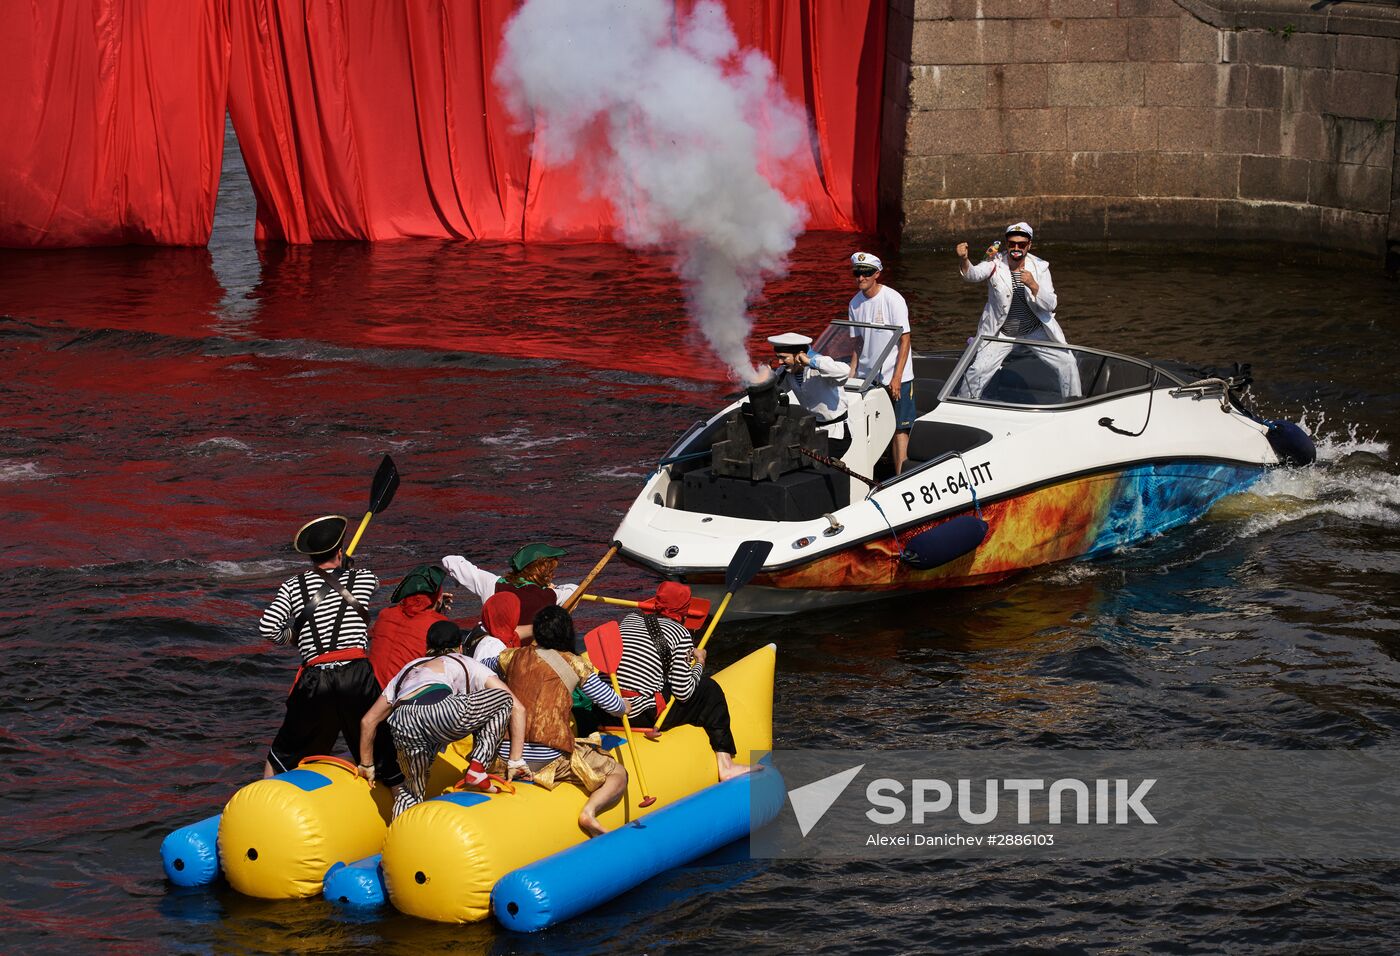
x=880 y=305
x=816 y=381
x=1020 y=305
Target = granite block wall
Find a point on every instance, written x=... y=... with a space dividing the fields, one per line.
x=1108 y=119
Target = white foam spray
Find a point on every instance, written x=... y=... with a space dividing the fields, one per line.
x=22 y=471
x=688 y=129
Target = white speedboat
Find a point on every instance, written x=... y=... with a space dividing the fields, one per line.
x=1005 y=473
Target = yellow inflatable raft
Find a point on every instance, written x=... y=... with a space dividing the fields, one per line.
x=442 y=857
x=278 y=837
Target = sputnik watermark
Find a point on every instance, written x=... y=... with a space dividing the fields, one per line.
x=1113 y=801
x=1088 y=804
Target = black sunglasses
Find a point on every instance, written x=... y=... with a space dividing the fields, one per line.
x=863 y=272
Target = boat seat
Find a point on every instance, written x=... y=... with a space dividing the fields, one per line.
x=1109 y=375
x=1024 y=379
x=926 y=394
x=930 y=440
x=930 y=373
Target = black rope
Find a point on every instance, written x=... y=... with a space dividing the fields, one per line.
x=837 y=465
x=1151 y=391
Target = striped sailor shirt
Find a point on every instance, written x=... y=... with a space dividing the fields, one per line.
x=642 y=668
x=334 y=625
x=1020 y=320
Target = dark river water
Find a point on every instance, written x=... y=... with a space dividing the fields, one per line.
x=171 y=416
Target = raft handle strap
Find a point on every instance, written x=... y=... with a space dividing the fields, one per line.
x=334 y=762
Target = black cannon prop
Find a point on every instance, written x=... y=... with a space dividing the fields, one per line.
x=757 y=469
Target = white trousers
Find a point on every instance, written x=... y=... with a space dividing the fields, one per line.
x=990 y=356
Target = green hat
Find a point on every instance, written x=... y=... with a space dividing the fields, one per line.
x=424 y=579
x=533 y=552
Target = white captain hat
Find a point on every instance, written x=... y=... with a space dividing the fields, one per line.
x=1020 y=229
x=868 y=260
x=789 y=342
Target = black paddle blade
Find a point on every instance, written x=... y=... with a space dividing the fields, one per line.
x=747 y=561
x=386 y=482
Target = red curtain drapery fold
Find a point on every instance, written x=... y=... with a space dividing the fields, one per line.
x=113 y=119
x=373 y=119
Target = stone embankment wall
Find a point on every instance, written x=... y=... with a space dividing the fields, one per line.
x=1127 y=119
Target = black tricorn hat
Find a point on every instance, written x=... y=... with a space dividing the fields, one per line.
x=321 y=535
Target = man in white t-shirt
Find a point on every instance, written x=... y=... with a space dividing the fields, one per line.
x=881 y=305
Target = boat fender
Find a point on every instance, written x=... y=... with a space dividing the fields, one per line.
x=945 y=542
x=358 y=884
x=1291 y=444
x=582 y=877
x=190 y=855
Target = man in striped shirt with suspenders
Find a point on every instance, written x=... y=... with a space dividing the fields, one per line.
x=660 y=660
x=323 y=610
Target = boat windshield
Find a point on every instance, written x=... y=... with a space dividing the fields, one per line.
x=862 y=345
x=1039 y=374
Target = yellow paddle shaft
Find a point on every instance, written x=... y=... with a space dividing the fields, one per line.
x=364 y=523
x=700 y=647
x=620 y=602
x=631 y=746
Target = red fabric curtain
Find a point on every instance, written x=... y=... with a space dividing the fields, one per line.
x=375 y=120
x=372 y=119
x=379 y=120
x=830 y=57
x=113 y=120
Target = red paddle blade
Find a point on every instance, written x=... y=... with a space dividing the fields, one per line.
x=604 y=644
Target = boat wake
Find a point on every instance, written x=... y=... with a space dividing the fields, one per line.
x=1336 y=446
x=1350 y=481
x=23 y=471
x=219 y=445
x=243 y=570
x=523 y=439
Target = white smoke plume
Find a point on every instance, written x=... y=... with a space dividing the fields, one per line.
x=688 y=123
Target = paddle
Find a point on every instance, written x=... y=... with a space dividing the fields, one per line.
x=604 y=645
x=573 y=599
x=699 y=607
x=381 y=492
x=747 y=561
x=600 y=599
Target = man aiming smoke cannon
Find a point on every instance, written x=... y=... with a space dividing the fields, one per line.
x=816 y=381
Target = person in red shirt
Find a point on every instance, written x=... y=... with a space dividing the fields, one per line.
x=400 y=631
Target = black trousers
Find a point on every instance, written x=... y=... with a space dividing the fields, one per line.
x=328 y=702
x=707 y=708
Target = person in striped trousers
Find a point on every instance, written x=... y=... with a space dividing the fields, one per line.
x=437 y=700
